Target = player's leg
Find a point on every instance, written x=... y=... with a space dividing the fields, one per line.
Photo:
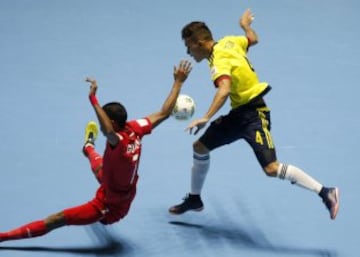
x=89 y=151
x=81 y=215
x=199 y=170
x=85 y=214
x=35 y=228
x=213 y=137
x=261 y=141
x=259 y=137
x=329 y=195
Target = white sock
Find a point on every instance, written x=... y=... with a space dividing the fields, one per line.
x=299 y=177
x=201 y=164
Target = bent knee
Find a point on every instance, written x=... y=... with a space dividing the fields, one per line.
x=271 y=169
x=200 y=148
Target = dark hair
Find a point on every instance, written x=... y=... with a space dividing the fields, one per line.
x=196 y=30
x=116 y=112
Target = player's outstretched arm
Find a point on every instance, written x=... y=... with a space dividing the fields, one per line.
x=245 y=23
x=181 y=73
x=104 y=120
x=222 y=93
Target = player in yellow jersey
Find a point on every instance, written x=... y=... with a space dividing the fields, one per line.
x=249 y=117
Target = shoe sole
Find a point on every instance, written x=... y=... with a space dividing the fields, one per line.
x=179 y=213
x=335 y=209
x=91 y=127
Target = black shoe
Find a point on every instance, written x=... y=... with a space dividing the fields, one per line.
x=330 y=198
x=190 y=203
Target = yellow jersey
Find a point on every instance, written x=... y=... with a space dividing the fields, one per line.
x=229 y=59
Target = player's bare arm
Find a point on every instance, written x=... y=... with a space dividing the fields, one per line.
x=245 y=23
x=222 y=93
x=181 y=73
x=106 y=124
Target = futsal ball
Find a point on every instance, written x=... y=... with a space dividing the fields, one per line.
x=184 y=108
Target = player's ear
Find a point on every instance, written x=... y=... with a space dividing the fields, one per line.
x=200 y=42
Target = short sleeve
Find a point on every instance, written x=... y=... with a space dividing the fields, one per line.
x=141 y=126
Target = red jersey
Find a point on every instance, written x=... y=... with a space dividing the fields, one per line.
x=118 y=181
x=120 y=163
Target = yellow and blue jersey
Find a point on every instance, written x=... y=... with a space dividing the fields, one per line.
x=229 y=59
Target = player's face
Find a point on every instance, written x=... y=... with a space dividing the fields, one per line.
x=195 y=49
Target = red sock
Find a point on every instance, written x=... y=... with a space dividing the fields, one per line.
x=95 y=160
x=34 y=229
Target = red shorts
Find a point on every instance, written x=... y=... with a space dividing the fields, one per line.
x=99 y=209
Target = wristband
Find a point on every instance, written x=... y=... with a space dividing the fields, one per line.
x=93 y=100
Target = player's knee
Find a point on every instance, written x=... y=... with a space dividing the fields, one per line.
x=271 y=169
x=56 y=220
x=200 y=148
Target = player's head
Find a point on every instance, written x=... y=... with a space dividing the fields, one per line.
x=198 y=40
x=117 y=114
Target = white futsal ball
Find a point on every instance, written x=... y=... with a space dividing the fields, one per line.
x=184 y=108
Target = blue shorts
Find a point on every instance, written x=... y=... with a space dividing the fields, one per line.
x=250 y=122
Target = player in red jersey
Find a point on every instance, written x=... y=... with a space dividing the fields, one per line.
x=116 y=170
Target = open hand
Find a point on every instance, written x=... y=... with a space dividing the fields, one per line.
x=246 y=19
x=182 y=71
x=93 y=86
x=198 y=124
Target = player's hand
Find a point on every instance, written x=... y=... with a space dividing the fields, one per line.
x=182 y=71
x=93 y=86
x=198 y=124
x=246 y=19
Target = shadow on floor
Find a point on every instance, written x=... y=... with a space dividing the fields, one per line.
x=106 y=245
x=253 y=240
